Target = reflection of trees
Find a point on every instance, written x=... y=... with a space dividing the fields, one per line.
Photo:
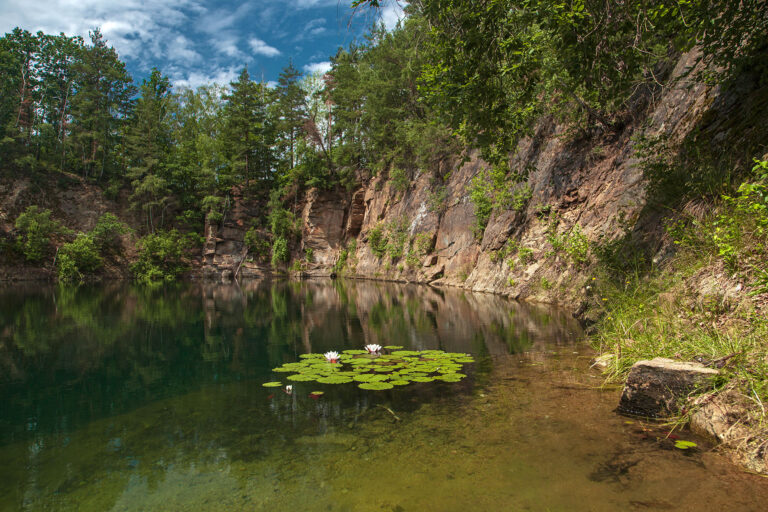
x=168 y=377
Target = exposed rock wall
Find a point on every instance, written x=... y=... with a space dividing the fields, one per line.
x=594 y=183
x=589 y=182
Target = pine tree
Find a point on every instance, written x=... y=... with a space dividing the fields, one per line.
x=148 y=146
x=100 y=107
x=248 y=132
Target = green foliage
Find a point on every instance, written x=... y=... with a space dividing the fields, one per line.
x=397 y=236
x=309 y=254
x=520 y=197
x=399 y=179
x=106 y=233
x=738 y=232
x=659 y=313
x=545 y=284
x=573 y=242
x=437 y=200
x=279 y=251
x=35 y=228
x=214 y=208
x=161 y=257
x=525 y=254
x=79 y=257
x=377 y=240
x=495 y=188
x=282 y=222
x=378 y=371
x=257 y=243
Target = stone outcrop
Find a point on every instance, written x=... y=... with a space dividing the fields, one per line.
x=224 y=252
x=588 y=183
x=658 y=387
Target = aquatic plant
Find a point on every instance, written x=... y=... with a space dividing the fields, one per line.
x=376 y=371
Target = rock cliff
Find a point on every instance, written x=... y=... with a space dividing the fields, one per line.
x=586 y=185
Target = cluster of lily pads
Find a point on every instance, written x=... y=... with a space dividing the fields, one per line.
x=376 y=368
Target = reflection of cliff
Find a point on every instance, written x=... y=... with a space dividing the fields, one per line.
x=120 y=384
x=340 y=314
x=117 y=346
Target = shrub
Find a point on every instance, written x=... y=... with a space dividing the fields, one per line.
x=279 y=251
x=106 y=233
x=214 y=208
x=257 y=244
x=525 y=254
x=377 y=239
x=78 y=257
x=161 y=256
x=399 y=179
x=36 y=228
x=398 y=236
x=520 y=197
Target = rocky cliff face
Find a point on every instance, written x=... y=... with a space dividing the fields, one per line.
x=585 y=187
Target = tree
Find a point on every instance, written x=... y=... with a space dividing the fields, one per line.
x=149 y=147
x=100 y=107
x=290 y=114
x=248 y=132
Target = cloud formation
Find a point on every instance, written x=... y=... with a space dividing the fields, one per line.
x=317 y=67
x=259 y=47
x=194 y=41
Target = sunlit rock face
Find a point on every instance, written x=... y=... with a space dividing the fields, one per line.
x=591 y=182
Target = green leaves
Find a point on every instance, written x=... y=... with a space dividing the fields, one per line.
x=685 y=445
x=379 y=372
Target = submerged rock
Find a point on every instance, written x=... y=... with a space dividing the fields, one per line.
x=656 y=388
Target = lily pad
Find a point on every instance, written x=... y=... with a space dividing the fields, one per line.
x=375 y=386
x=272 y=384
x=685 y=445
x=334 y=379
x=303 y=377
x=317 y=393
x=355 y=352
x=423 y=379
x=399 y=382
x=393 y=347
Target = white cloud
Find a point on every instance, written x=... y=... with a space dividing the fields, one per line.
x=179 y=49
x=259 y=47
x=136 y=28
x=391 y=13
x=318 y=67
x=311 y=29
x=227 y=45
x=195 y=79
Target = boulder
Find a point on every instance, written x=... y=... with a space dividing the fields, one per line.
x=656 y=388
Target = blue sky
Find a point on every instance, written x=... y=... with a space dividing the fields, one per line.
x=201 y=41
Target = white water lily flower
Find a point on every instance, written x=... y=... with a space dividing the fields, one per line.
x=332 y=356
x=373 y=348
x=289 y=389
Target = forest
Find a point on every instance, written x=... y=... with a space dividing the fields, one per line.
x=453 y=76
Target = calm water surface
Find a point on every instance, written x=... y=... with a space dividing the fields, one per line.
x=125 y=398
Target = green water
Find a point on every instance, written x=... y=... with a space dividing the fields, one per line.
x=126 y=398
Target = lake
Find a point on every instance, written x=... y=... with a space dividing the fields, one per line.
x=126 y=398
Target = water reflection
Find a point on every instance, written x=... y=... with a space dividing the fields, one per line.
x=114 y=392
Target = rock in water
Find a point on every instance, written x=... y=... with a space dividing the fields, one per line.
x=656 y=388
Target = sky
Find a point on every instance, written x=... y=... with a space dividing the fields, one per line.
x=196 y=42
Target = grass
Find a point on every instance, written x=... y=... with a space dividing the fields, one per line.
x=708 y=304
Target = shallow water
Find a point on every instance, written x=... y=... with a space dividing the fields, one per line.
x=123 y=398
